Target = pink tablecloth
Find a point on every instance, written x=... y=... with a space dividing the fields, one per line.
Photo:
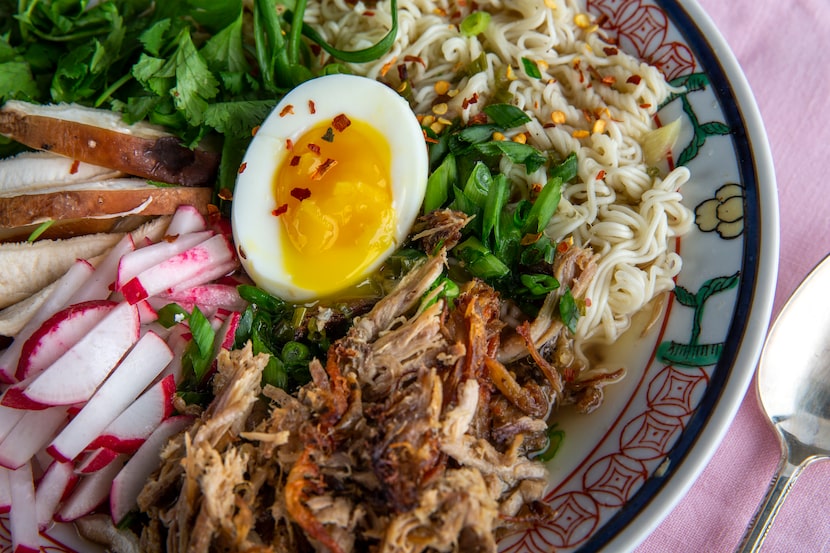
x=783 y=47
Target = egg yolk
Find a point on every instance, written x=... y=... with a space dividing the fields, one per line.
x=334 y=201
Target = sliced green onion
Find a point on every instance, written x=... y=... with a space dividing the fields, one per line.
x=544 y=207
x=356 y=56
x=479 y=261
x=566 y=169
x=477 y=187
x=555 y=438
x=476 y=66
x=568 y=310
x=531 y=68
x=40 y=230
x=523 y=154
x=439 y=183
x=274 y=373
x=261 y=298
x=493 y=207
x=475 y=23
x=171 y=314
x=294 y=353
x=539 y=284
x=506 y=116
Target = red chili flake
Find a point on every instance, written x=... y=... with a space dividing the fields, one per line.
x=415 y=59
x=587 y=302
x=469 y=101
x=243 y=167
x=645 y=106
x=403 y=73
x=478 y=118
x=462 y=3
x=562 y=247
x=289 y=109
x=568 y=374
x=75 y=165
x=387 y=66
x=289 y=144
x=609 y=80
x=601 y=20
x=323 y=168
x=255 y=130
x=634 y=79
x=341 y=122
x=280 y=210
x=581 y=77
x=314 y=148
x=170 y=238
x=294 y=161
x=368 y=13
x=301 y=193
x=610 y=51
x=601 y=174
x=316 y=49
x=312 y=109
x=225 y=194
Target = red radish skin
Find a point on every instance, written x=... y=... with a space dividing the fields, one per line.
x=96 y=460
x=216 y=295
x=75 y=376
x=138 y=369
x=134 y=263
x=129 y=482
x=132 y=427
x=194 y=263
x=59 y=333
x=69 y=283
x=90 y=492
x=55 y=485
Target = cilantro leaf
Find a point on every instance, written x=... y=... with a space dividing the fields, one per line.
x=16 y=81
x=195 y=84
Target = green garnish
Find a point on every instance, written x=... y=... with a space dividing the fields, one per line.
x=531 y=68
x=41 y=228
x=475 y=23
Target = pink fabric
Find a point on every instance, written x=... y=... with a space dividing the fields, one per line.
x=783 y=47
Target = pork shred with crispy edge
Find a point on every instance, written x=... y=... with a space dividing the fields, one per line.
x=416 y=435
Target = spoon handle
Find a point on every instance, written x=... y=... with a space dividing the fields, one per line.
x=768 y=509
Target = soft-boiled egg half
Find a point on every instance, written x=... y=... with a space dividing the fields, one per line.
x=329 y=187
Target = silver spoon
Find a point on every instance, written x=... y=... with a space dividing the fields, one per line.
x=794 y=389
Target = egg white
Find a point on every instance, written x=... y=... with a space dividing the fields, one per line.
x=257 y=232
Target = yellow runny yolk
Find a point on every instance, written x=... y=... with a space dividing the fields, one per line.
x=334 y=201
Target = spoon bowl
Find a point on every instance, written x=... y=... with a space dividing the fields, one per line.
x=793 y=383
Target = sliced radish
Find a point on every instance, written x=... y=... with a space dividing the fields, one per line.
x=142 y=259
x=90 y=492
x=128 y=483
x=217 y=271
x=31 y=434
x=95 y=460
x=194 y=263
x=132 y=427
x=178 y=340
x=146 y=313
x=72 y=280
x=5 y=492
x=138 y=369
x=218 y=295
x=99 y=286
x=56 y=484
x=186 y=219
x=74 y=377
x=9 y=417
x=23 y=514
x=59 y=333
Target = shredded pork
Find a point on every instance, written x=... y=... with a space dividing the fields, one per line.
x=414 y=436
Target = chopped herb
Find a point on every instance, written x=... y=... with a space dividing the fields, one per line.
x=475 y=23
x=329 y=136
x=43 y=227
x=531 y=68
x=568 y=310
